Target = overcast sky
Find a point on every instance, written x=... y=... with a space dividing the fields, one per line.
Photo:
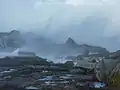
x=94 y=22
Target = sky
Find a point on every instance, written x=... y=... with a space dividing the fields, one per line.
x=95 y=22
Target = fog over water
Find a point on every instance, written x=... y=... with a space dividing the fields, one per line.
x=93 y=22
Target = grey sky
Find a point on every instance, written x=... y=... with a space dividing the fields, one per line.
x=94 y=22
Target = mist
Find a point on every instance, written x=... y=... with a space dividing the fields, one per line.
x=94 y=22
